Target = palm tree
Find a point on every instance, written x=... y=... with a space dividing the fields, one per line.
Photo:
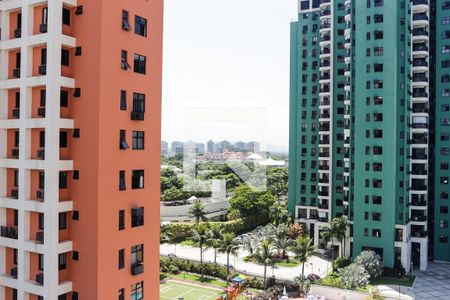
x=340 y=225
x=264 y=255
x=337 y=230
x=214 y=238
x=282 y=244
x=201 y=237
x=198 y=212
x=303 y=250
x=248 y=243
x=229 y=245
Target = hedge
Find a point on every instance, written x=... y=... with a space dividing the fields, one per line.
x=175 y=265
x=183 y=231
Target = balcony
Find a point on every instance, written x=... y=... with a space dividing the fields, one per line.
x=15 y=194
x=420 y=188
x=420 y=34
x=40 y=154
x=13 y=272
x=18 y=33
x=324 y=154
x=323 y=206
x=40 y=278
x=419 y=218
x=43 y=28
x=15 y=153
x=40 y=237
x=419 y=233
x=420 y=17
x=324 y=167
x=420 y=203
x=42 y=70
x=9 y=232
x=137 y=116
x=137 y=269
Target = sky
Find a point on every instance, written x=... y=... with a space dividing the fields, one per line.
x=226 y=70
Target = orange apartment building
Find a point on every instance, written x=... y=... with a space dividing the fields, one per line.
x=80 y=102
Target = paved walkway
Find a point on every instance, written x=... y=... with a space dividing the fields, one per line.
x=434 y=283
x=315 y=265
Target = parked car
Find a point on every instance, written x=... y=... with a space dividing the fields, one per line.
x=171 y=255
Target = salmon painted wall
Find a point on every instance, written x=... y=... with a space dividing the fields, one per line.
x=96 y=153
x=115 y=39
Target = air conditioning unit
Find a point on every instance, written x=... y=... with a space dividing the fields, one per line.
x=15 y=153
x=41 y=112
x=16 y=113
x=41 y=154
x=16 y=73
x=40 y=278
x=42 y=70
x=40 y=237
x=18 y=33
x=40 y=194
x=13 y=272
x=43 y=28
x=137 y=269
x=14 y=193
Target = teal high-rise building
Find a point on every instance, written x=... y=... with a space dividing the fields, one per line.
x=369 y=125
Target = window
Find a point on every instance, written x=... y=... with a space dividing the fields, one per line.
x=137 y=217
x=138 y=102
x=122 y=294
x=443 y=209
x=62 y=223
x=43 y=56
x=378 y=18
x=66 y=16
x=121 y=219
x=124 y=60
x=44 y=15
x=446 y=5
x=137 y=291
x=139 y=64
x=378 y=35
x=123 y=145
x=63 y=139
x=137 y=254
x=137 y=179
x=41 y=180
x=65 y=56
x=64 y=98
x=41 y=221
x=125 y=22
x=62 y=261
x=140 y=26
x=378 y=3
x=41 y=262
x=122 y=185
x=63 y=180
x=138 y=140
x=445 y=20
x=378 y=51
x=42 y=139
x=121 y=259
x=123 y=100
x=376 y=233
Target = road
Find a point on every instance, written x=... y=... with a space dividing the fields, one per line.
x=315 y=264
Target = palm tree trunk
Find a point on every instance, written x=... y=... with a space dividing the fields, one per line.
x=265 y=273
x=228 y=264
x=302 y=280
x=215 y=255
x=201 y=260
x=332 y=254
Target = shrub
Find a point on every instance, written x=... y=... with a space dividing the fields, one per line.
x=173 y=269
x=332 y=280
x=371 y=262
x=354 y=276
x=341 y=262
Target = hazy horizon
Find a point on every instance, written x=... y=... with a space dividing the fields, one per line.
x=231 y=56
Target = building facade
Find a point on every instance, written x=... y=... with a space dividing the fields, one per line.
x=80 y=91
x=369 y=125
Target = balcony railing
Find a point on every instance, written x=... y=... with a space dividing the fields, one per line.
x=9 y=232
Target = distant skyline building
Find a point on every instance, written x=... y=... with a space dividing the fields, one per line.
x=369 y=125
x=177 y=147
x=164 y=148
x=210 y=146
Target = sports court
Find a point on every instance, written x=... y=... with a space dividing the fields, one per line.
x=174 y=290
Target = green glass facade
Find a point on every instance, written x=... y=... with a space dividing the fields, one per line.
x=382 y=159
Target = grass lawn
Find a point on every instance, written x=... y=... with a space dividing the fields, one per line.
x=403 y=281
x=290 y=264
x=189 y=277
x=177 y=290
